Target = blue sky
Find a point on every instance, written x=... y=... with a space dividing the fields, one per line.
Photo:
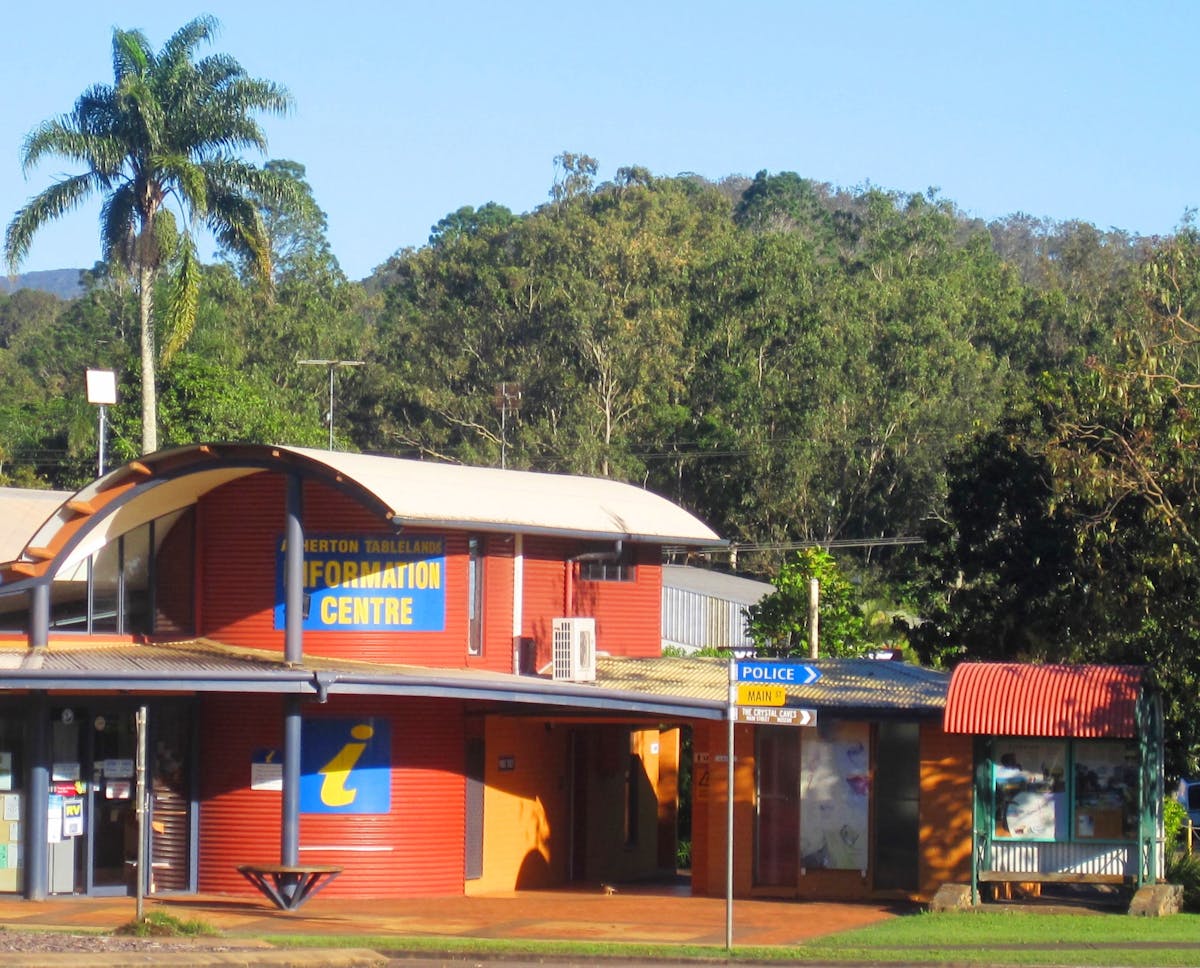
x=406 y=111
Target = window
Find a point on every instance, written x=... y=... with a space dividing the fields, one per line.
x=474 y=595
x=607 y=565
x=114 y=590
x=1029 y=778
x=1106 y=791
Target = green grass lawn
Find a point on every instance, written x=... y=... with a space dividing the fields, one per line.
x=1015 y=938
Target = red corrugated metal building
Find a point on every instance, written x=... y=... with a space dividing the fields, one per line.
x=354 y=666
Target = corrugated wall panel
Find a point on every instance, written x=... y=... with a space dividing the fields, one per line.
x=1036 y=858
x=1013 y=699
x=237 y=825
x=416 y=848
x=238 y=525
x=692 y=621
x=241 y=526
x=497 y=606
x=628 y=614
x=175 y=580
x=544 y=591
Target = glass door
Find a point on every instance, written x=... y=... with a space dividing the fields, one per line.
x=114 y=818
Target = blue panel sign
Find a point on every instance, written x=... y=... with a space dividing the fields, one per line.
x=784 y=673
x=345 y=766
x=369 y=582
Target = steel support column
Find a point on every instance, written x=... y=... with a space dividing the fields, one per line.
x=293 y=572
x=39 y=614
x=37 y=855
x=289 y=850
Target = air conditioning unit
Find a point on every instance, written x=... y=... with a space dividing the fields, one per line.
x=575 y=649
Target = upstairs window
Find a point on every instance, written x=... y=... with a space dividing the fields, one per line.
x=607 y=565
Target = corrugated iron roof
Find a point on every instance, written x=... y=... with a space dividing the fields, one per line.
x=734 y=588
x=1016 y=699
x=846 y=685
x=202 y=665
x=662 y=685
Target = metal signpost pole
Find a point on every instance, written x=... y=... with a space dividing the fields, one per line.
x=763 y=684
x=731 y=715
x=140 y=808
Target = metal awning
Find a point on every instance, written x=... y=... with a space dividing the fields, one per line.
x=1016 y=699
x=205 y=666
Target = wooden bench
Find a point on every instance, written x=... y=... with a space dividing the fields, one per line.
x=289 y=887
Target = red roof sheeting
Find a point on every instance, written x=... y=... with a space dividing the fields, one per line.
x=1011 y=699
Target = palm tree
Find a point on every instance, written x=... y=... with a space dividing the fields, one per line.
x=163 y=138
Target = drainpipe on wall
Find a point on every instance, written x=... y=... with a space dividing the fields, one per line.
x=614 y=555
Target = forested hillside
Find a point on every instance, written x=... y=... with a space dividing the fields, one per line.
x=792 y=361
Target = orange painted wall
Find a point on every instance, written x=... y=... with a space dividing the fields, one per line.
x=946 y=797
x=669 y=751
x=945 y=819
x=531 y=838
x=525 y=810
x=710 y=783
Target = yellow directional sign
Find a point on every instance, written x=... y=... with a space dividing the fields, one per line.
x=757 y=694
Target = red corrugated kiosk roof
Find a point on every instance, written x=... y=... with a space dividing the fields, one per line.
x=1011 y=699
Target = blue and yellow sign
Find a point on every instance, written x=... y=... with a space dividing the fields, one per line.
x=369 y=582
x=345 y=766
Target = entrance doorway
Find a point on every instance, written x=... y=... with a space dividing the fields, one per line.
x=93 y=830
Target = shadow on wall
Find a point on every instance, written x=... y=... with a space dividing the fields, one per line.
x=534 y=872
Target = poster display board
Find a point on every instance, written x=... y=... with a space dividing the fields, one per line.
x=1030 y=789
x=835 y=787
x=1106 y=790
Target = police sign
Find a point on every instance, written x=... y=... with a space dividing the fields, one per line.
x=781 y=673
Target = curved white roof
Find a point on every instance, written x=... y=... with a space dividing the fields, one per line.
x=423 y=492
x=420 y=493
x=22 y=511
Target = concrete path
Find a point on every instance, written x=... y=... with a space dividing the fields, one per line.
x=662 y=915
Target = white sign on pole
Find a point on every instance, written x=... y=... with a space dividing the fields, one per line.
x=777 y=715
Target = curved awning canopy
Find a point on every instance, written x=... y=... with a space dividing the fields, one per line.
x=404 y=492
x=1015 y=699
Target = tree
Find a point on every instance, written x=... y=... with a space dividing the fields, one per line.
x=164 y=135
x=1074 y=536
x=778 y=623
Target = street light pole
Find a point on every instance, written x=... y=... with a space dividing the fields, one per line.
x=333 y=365
x=101 y=391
